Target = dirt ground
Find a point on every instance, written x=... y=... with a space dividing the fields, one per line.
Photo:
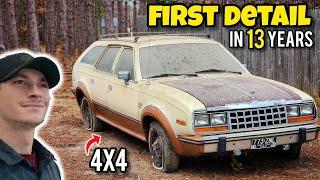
x=65 y=134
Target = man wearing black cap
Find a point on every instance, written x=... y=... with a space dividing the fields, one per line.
x=24 y=99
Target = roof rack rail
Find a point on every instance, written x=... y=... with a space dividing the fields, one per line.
x=137 y=34
x=131 y=34
x=192 y=34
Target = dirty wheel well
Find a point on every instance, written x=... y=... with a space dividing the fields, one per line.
x=79 y=95
x=147 y=120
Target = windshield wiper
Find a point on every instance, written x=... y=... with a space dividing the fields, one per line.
x=218 y=70
x=167 y=75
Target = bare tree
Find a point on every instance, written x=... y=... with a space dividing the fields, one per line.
x=63 y=27
x=89 y=30
x=121 y=15
x=78 y=9
x=19 y=8
x=134 y=17
x=11 y=26
x=96 y=19
x=71 y=25
x=115 y=17
x=108 y=16
x=50 y=27
x=41 y=11
x=126 y=25
x=142 y=7
x=32 y=26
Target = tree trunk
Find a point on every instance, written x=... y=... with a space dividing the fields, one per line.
x=32 y=27
x=70 y=26
x=88 y=24
x=50 y=27
x=63 y=27
x=121 y=17
x=108 y=16
x=78 y=10
x=11 y=26
x=41 y=20
x=126 y=25
x=142 y=7
x=19 y=6
x=96 y=20
x=115 y=17
x=134 y=17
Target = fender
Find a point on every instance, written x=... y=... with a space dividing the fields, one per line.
x=83 y=89
x=181 y=148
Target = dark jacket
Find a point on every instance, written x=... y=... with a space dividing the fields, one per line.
x=14 y=166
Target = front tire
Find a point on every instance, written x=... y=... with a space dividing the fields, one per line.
x=294 y=152
x=90 y=122
x=163 y=156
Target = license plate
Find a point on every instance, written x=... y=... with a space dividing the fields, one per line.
x=263 y=143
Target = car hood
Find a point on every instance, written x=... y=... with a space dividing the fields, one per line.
x=223 y=90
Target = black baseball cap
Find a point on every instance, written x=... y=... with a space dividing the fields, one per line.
x=11 y=64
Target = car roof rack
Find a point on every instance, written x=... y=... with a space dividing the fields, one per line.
x=131 y=34
x=137 y=35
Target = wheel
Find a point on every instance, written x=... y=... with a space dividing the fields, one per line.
x=90 y=122
x=163 y=156
x=294 y=152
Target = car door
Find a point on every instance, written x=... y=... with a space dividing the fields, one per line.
x=101 y=73
x=86 y=68
x=122 y=97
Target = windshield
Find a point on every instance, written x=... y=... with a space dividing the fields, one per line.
x=187 y=58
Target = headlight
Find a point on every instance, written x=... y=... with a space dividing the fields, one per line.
x=217 y=119
x=292 y=111
x=201 y=120
x=306 y=110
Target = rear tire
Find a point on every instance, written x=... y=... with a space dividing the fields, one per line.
x=163 y=156
x=90 y=122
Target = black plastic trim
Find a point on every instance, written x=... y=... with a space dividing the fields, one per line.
x=302 y=135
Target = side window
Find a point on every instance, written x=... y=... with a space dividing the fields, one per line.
x=125 y=62
x=107 y=59
x=92 y=56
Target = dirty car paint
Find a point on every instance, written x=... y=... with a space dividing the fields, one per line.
x=220 y=91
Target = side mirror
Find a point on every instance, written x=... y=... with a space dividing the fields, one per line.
x=125 y=75
x=244 y=65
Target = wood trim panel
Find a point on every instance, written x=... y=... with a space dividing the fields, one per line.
x=122 y=122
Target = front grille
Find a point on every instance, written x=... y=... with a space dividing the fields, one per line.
x=256 y=118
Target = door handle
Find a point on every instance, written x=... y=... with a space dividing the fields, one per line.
x=109 y=88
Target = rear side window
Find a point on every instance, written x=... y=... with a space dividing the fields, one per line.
x=93 y=55
x=107 y=59
x=125 y=62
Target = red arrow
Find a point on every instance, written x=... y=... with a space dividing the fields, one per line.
x=95 y=139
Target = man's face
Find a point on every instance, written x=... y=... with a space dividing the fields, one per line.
x=24 y=99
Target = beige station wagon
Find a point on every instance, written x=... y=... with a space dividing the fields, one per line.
x=188 y=96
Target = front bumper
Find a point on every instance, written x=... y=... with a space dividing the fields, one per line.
x=242 y=140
